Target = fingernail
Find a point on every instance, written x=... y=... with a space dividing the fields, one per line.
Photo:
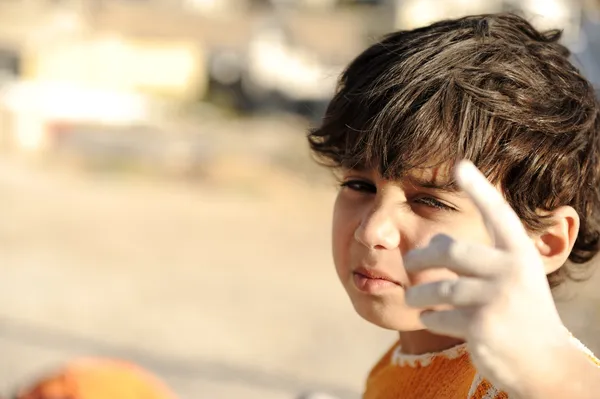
x=408 y=295
x=465 y=172
x=406 y=260
x=466 y=167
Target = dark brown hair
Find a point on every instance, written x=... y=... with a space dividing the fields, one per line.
x=489 y=88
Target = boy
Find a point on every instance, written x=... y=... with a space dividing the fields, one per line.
x=456 y=263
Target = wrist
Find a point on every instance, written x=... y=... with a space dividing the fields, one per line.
x=565 y=373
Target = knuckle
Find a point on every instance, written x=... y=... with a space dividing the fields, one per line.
x=440 y=239
x=447 y=289
x=456 y=250
x=442 y=243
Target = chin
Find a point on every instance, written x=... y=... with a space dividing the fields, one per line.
x=396 y=317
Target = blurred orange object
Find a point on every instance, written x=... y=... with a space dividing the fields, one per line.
x=98 y=379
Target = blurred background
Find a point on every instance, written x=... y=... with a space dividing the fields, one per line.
x=157 y=200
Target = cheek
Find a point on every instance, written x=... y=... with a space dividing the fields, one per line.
x=471 y=229
x=430 y=276
x=343 y=227
x=426 y=233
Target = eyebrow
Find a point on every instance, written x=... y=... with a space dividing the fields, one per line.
x=449 y=186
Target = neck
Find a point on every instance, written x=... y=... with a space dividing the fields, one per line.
x=423 y=341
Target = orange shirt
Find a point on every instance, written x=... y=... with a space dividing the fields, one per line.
x=443 y=375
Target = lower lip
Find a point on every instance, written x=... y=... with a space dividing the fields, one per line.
x=372 y=285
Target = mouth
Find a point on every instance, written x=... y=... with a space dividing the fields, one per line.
x=372 y=281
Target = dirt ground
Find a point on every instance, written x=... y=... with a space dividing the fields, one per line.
x=224 y=290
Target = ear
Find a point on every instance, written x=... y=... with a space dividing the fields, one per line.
x=556 y=242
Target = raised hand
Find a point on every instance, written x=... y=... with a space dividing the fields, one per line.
x=500 y=304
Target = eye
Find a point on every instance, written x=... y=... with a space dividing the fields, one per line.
x=359 y=186
x=434 y=203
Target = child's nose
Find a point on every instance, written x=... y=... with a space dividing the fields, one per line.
x=378 y=231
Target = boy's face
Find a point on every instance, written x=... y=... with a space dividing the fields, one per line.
x=376 y=222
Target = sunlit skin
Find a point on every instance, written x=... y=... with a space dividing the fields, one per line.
x=444 y=266
x=376 y=222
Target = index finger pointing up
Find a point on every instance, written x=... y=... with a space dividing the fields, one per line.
x=501 y=220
